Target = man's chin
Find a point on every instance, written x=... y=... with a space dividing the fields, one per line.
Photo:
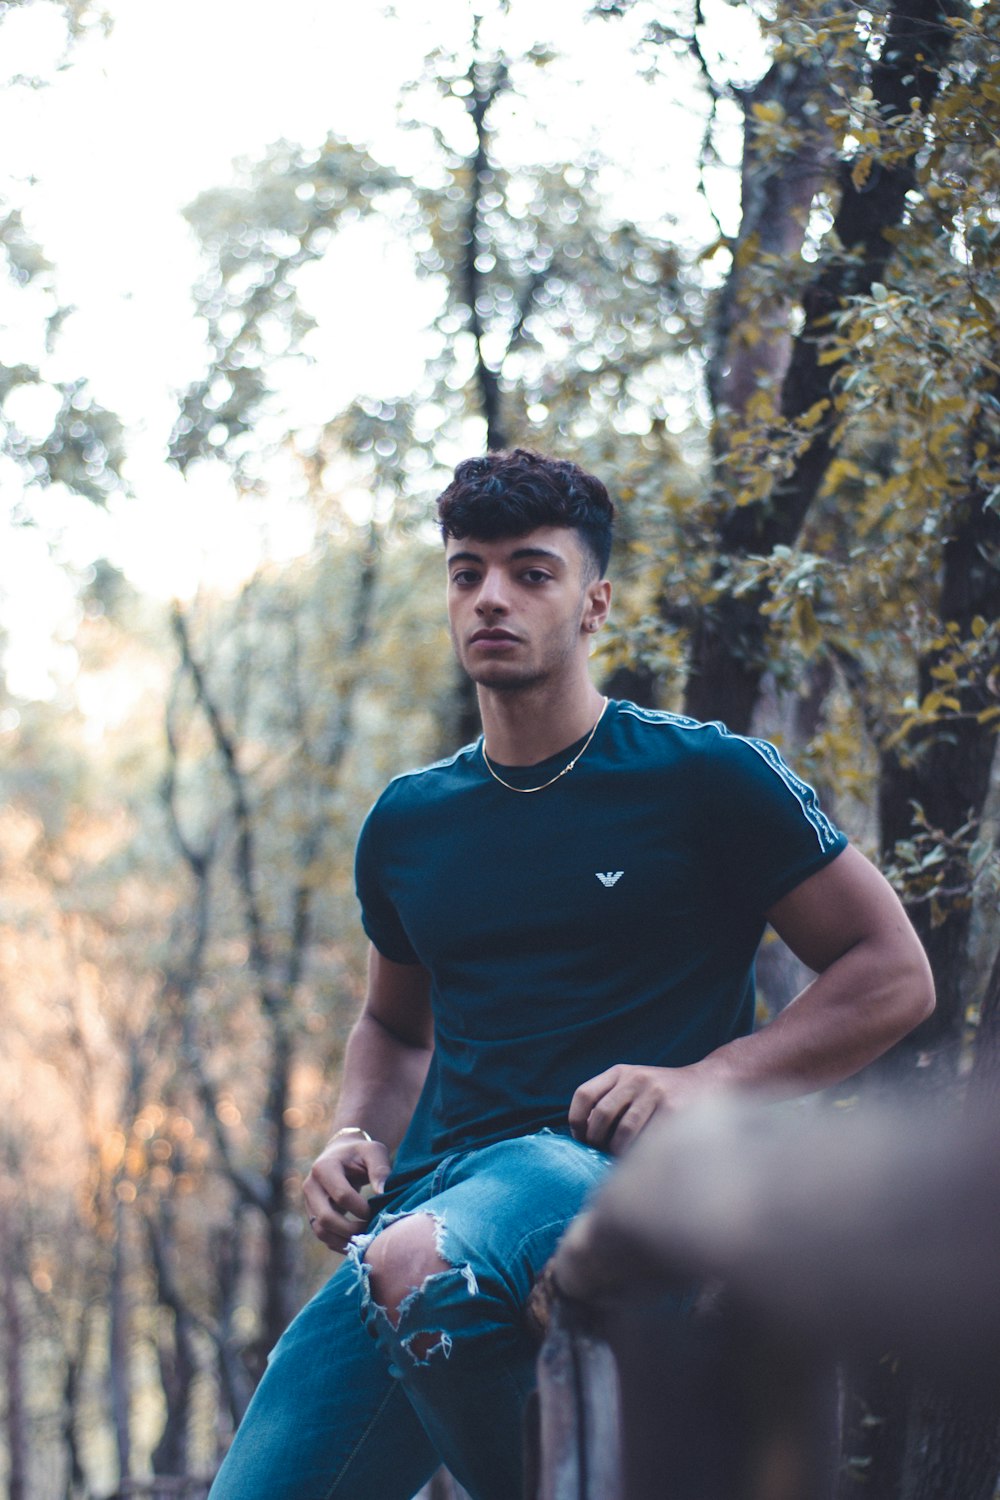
x=501 y=678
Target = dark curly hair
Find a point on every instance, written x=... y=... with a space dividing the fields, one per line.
x=509 y=494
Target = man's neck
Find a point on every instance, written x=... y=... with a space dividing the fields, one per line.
x=524 y=726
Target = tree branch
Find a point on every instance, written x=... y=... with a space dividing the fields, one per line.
x=479 y=103
x=245 y=859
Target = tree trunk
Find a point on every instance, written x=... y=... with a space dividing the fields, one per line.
x=914 y=1444
x=751 y=338
x=728 y=647
x=178 y=1356
x=984 y=1084
x=236 y=1379
x=282 y=1270
x=120 y=1350
x=15 y=1414
x=488 y=80
x=75 y=1475
x=944 y=770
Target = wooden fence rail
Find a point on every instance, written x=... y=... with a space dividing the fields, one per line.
x=814 y=1237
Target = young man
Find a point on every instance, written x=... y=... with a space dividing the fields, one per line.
x=563 y=921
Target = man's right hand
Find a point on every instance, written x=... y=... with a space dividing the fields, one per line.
x=332 y=1190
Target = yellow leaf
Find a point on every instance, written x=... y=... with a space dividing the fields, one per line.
x=984 y=306
x=809 y=419
x=940 y=436
x=839 y=470
x=830 y=356
x=807 y=626
x=861 y=171
x=901 y=733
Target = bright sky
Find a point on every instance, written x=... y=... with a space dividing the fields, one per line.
x=144 y=119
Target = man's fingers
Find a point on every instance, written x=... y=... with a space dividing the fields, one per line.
x=335 y=1230
x=377 y=1164
x=602 y=1122
x=325 y=1189
x=334 y=1223
x=585 y=1099
x=609 y=1111
x=630 y=1123
x=335 y=1205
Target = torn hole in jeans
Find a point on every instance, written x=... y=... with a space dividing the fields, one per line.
x=417 y=1332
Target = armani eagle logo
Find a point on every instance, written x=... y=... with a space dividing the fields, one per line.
x=611 y=878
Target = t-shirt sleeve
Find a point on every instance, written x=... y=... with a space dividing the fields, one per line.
x=378 y=914
x=766 y=824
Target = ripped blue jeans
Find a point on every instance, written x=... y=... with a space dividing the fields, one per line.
x=348 y=1411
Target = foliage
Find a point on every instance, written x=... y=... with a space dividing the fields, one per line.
x=141 y=1080
x=549 y=307
x=51 y=431
x=277 y=217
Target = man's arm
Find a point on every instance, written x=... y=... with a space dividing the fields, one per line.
x=385 y=1064
x=873 y=985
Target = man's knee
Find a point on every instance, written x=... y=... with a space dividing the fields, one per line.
x=401 y=1258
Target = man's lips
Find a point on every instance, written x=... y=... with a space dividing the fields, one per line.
x=493 y=638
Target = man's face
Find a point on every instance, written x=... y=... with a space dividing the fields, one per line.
x=521 y=608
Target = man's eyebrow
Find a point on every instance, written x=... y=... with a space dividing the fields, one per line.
x=518 y=555
x=536 y=552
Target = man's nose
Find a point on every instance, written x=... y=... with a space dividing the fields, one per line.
x=492 y=594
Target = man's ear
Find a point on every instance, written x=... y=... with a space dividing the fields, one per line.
x=598 y=604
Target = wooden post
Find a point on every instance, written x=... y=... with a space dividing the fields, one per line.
x=574 y=1432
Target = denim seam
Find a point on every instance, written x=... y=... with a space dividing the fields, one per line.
x=537 y=1230
x=362 y=1439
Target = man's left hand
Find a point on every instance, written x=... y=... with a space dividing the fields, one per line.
x=609 y=1111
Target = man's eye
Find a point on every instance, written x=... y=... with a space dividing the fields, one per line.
x=463 y=577
x=536 y=575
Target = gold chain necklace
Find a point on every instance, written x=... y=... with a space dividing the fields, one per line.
x=559 y=774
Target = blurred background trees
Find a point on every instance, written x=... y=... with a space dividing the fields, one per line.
x=790 y=386
x=52 y=431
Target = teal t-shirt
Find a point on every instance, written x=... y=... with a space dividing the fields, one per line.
x=612 y=917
